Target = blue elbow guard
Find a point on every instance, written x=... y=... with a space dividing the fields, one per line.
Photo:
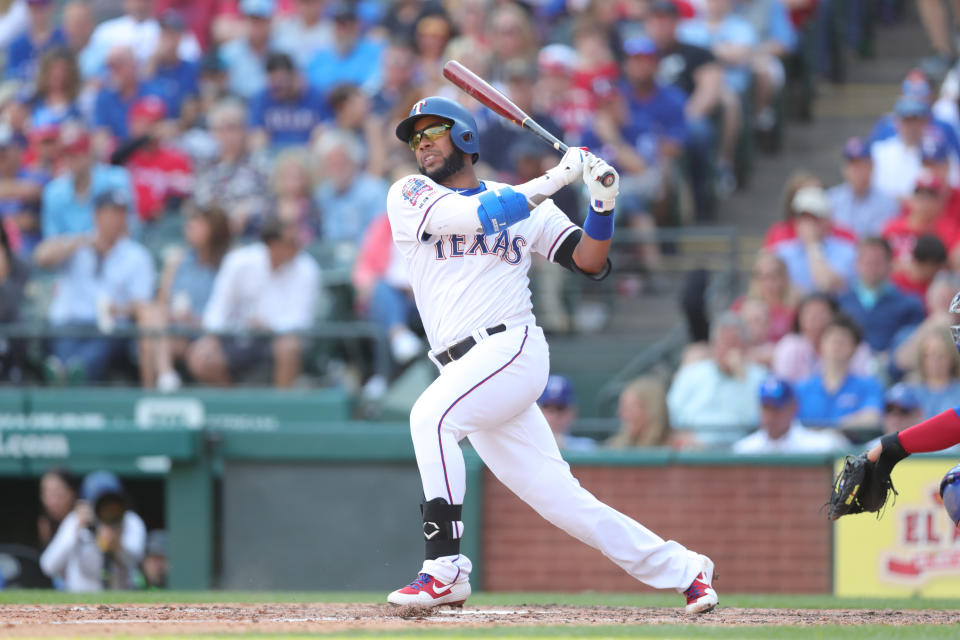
x=501 y=208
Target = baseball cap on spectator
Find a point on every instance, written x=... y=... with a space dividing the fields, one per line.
x=927 y=181
x=639 y=46
x=111 y=198
x=173 y=20
x=277 y=61
x=911 y=107
x=934 y=149
x=343 y=12
x=665 y=7
x=98 y=485
x=775 y=392
x=558 y=393
x=916 y=85
x=900 y=396
x=257 y=8
x=856 y=149
x=557 y=58
x=74 y=138
x=149 y=108
x=676 y=8
x=812 y=200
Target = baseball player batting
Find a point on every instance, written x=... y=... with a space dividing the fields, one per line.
x=467 y=244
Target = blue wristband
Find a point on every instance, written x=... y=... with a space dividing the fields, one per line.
x=599 y=226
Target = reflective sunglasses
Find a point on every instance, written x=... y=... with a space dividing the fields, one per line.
x=431 y=133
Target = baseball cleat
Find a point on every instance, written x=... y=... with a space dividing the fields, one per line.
x=701 y=596
x=427 y=591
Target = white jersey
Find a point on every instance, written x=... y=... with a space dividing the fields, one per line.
x=467 y=282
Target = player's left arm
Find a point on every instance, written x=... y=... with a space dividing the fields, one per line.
x=590 y=253
x=585 y=250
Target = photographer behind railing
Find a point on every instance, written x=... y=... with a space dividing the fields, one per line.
x=100 y=544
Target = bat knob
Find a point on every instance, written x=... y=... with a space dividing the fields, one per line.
x=607 y=179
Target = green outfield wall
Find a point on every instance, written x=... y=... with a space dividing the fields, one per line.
x=274 y=500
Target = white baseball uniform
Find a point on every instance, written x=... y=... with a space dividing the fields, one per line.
x=465 y=283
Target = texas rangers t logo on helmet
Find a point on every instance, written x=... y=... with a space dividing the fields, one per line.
x=418 y=108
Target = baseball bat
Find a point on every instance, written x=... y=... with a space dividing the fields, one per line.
x=481 y=90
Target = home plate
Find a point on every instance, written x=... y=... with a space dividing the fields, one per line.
x=482 y=612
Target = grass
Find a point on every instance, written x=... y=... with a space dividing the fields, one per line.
x=750 y=601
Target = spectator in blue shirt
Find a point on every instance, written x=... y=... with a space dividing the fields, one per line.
x=348 y=197
x=874 y=302
x=695 y=71
x=835 y=397
x=731 y=38
x=103 y=279
x=41 y=36
x=20 y=190
x=916 y=85
x=777 y=40
x=816 y=259
x=245 y=57
x=353 y=58
x=112 y=106
x=288 y=111
x=303 y=33
x=641 y=129
x=68 y=198
x=857 y=204
x=172 y=78
x=57 y=89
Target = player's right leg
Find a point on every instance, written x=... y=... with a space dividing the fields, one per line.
x=523 y=454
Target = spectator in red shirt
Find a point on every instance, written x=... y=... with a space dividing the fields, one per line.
x=571 y=107
x=921 y=215
x=935 y=155
x=161 y=175
x=786 y=229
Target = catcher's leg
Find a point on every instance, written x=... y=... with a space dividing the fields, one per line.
x=524 y=456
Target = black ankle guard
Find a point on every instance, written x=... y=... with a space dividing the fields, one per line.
x=438 y=519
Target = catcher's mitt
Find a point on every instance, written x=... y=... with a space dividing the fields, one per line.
x=860 y=486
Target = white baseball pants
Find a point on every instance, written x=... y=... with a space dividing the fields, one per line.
x=489 y=396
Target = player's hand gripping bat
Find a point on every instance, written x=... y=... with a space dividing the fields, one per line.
x=479 y=89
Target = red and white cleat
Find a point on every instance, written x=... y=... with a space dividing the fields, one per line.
x=427 y=591
x=701 y=596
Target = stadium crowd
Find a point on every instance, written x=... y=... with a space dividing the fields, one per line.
x=172 y=171
x=844 y=330
x=194 y=175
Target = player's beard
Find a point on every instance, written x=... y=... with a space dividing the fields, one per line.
x=451 y=165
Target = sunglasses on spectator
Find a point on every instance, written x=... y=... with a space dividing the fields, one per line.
x=926 y=192
x=431 y=133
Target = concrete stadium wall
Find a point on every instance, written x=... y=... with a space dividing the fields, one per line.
x=762 y=525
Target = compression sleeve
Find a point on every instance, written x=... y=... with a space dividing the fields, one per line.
x=564 y=257
x=934 y=434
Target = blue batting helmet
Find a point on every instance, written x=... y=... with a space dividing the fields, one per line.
x=950 y=492
x=464 y=129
